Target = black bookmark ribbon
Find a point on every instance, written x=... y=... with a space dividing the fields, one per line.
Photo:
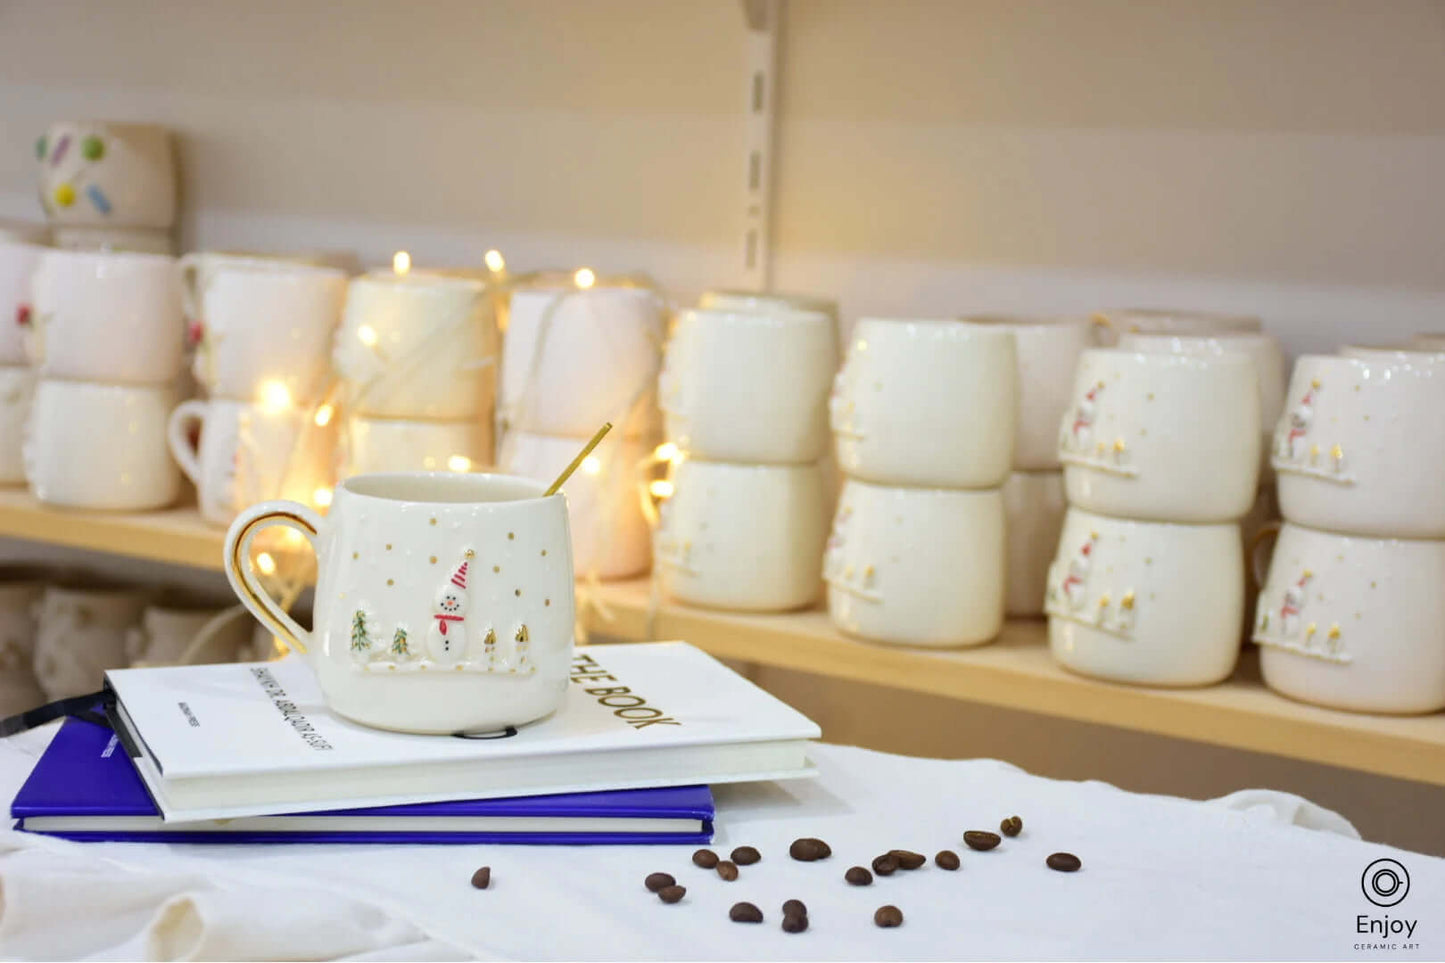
x=90 y=707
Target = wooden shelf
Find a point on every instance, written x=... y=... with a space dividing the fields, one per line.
x=175 y=535
x=1017 y=672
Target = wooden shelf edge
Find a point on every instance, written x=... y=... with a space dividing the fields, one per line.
x=174 y=535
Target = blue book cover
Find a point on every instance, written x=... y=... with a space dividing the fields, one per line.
x=85 y=788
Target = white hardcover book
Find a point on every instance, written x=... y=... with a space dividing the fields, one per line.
x=251 y=739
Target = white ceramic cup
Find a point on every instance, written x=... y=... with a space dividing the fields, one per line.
x=611 y=537
x=742 y=537
x=189 y=634
x=17 y=391
x=1354 y=622
x=107 y=174
x=81 y=634
x=249 y=453
x=397 y=444
x=723 y=299
x=101 y=446
x=24 y=232
x=1162 y=437
x=1116 y=322
x=18 y=262
x=420 y=345
x=574 y=359
x=917 y=566
x=1360 y=449
x=444 y=602
x=1048 y=350
x=106 y=317
x=1153 y=603
x=1034 y=507
x=749 y=387
x=20 y=691
x=199 y=268
x=143 y=240
x=927 y=403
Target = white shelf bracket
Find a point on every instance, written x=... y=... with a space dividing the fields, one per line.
x=760 y=111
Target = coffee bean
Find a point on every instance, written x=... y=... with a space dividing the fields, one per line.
x=887 y=916
x=656 y=881
x=1011 y=826
x=795 y=923
x=795 y=907
x=809 y=849
x=946 y=859
x=745 y=855
x=705 y=858
x=482 y=878
x=980 y=840
x=858 y=876
x=885 y=865
x=1063 y=862
x=671 y=894
x=745 y=913
x=727 y=870
x=906 y=859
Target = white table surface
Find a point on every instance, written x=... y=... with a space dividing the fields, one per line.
x=1162 y=877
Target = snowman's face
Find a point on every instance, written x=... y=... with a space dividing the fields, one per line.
x=451 y=602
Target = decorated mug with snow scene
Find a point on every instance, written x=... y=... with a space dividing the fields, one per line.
x=444 y=601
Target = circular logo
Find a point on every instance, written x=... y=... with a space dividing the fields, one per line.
x=1385 y=882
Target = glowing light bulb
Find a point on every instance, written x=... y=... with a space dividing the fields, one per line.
x=366 y=334
x=322 y=497
x=666 y=451
x=585 y=278
x=274 y=396
x=266 y=563
x=459 y=463
x=591 y=465
x=662 y=488
x=494 y=261
x=324 y=415
x=401 y=262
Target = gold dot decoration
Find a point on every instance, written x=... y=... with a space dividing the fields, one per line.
x=469 y=553
x=388 y=546
x=496 y=568
x=517 y=593
x=356 y=555
x=511 y=536
x=432 y=520
x=546 y=601
x=391 y=581
x=544 y=553
x=433 y=560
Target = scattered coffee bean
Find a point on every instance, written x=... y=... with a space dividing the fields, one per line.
x=745 y=855
x=980 y=840
x=745 y=913
x=795 y=923
x=671 y=894
x=705 y=858
x=727 y=870
x=809 y=849
x=794 y=907
x=1063 y=862
x=946 y=859
x=1011 y=826
x=885 y=865
x=858 y=876
x=656 y=881
x=482 y=878
x=908 y=860
x=888 y=916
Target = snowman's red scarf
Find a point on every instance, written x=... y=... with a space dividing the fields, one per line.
x=442 y=621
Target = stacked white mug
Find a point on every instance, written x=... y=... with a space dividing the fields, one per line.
x=1352 y=614
x=575 y=358
x=21 y=246
x=924 y=416
x=1161 y=461
x=262 y=328
x=108 y=186
x=744 y=393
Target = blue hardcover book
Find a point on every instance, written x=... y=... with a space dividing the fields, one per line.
x=85 y=788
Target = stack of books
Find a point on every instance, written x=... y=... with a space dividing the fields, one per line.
x=250 y=753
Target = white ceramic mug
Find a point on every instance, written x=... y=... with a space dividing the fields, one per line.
x=101 y=446
x=1034 y=507
x=18 y=262
x=1048 y=350
x=575 y=359
x=104 y=173
x=444 y=602
x=749 y=387
x=17 y=391
x=420 y=345
x=611 y=537
x=106 y=317
x=24 y=232
x=143 y=240
x=927 y=403
x=260 y=324
x=81 y=634
x=742 y=537
x=249 y=453
x=1116 y=322
x=724 y=299
x=917 y=566
x=20 y=591
x=199 y=268
x=1354 y=622
x=177 y=633
x=397 y=444
x=1153 y=603
x=1360 y=448
x=1162 y=437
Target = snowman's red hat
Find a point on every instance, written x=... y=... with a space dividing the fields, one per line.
x=459 y=577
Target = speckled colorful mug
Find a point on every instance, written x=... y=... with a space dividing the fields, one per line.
x=444 y=601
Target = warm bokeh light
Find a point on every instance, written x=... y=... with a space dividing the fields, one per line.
x=666 y=451
x=401 y=262
x=591 y=465
x=585 y=278
x=366 y=334
x=324 y=415
x=494 y=261
x=274 y=396
x=322 y=497
x=459 y=463
x=662 y=488
x=266 y=563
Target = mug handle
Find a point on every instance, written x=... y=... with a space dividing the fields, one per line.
x=178 y=435
x=188 y=269
x=1258 y=565
x=246 y=585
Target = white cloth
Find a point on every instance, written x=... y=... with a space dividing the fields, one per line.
x=1162 y=878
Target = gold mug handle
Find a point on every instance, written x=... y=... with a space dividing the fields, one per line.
x=1258 y=566
x=239 y=573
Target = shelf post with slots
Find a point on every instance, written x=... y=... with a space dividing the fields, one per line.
x=761 y=86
